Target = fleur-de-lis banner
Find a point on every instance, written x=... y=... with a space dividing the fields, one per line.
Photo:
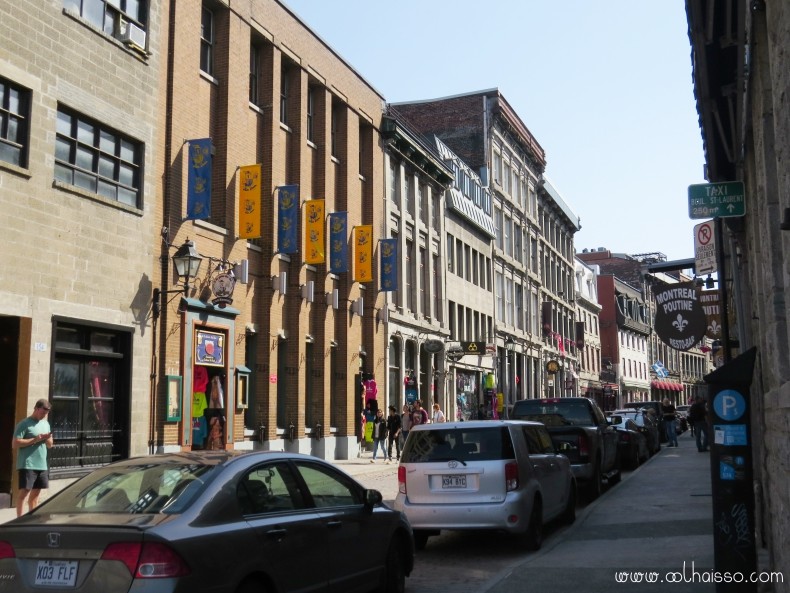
x=314 y=232
x=680 y=320
x=338 y=242
x=288 y=219
x=250 y=202
x=710 y=304
x=388 y=252
x=199 y=180
x=362 y=237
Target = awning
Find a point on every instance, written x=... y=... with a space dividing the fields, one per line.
x=658 y=384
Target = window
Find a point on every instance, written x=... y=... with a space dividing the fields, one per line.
x=437 y=297
x=500 y=296
x=254 y=70
x=328 y=488
x=14 y=118
x=269 y=489
x=284 y=94
x=98 y=159
x=311 y=91
x=436 y=211
x=450 y=253
x=409 y=276
x=425 y=303
x=111 y=16
x=207 y=41
x=393 y=181
x=335 y=128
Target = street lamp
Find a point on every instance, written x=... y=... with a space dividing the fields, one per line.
x=510 y=346
x=186 y=261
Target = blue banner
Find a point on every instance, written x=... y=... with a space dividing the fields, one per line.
x=338 y=242
x=288 y=219
x=199 y=180
x=388 y=252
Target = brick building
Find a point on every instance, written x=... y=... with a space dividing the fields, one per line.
x=299 y=338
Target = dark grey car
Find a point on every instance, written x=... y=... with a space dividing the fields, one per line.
x=211 y=521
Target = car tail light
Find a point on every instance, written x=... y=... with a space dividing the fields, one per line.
x=150 y=560
x=401 y=479
x=6 y=550
x=511 y=476
x=584 y=446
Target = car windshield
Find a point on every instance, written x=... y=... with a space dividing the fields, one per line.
x=132 y=488
x=459 y=444
x=553 y=413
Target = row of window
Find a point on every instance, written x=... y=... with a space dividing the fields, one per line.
x=468 y=263
x=514 y=179
x=88 y=154
x=467 y=324
x=414 y=195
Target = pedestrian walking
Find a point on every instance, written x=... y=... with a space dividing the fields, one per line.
x=393 y=434
x=698 y=414
x=418 y=415
x=379 y=435
x=670 y=418
x=405 y=424
x=32 y=438
x=438 y=415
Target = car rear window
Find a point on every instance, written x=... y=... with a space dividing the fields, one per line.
x=461 y=444
x=552 y=412
x=143 y=488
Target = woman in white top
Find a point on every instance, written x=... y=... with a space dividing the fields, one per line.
x=438 y=415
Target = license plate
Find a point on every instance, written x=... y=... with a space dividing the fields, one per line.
x=62 y=573
x=453 y=481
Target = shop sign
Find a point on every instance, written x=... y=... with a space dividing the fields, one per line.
x=552 y=367
x=210 y=349
x=680 y=318
x=222 y=287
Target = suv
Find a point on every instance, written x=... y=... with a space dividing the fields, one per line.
x=658 y=417
x=484 y=474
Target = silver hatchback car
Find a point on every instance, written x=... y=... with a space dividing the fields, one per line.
x=486 y=474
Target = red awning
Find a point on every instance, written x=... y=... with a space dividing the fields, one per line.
x=657 y=384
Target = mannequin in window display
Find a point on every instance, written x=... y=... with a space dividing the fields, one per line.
x=199 y=405
x=215 y=414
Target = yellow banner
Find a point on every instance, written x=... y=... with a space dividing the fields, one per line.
x=363 y=253
x=250 y=202
x=314 y=239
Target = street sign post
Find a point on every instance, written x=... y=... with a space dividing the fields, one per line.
x=705 y=248
x=712 y=200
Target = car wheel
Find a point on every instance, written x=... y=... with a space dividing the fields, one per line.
x=252 y=586
x=595 y=486
x=394 y=573
x=420 y=539
x=569 y=514
x=533 y=538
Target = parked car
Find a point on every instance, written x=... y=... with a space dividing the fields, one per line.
x=579 y=430
x=220 y=521
x=632 y=442
x=498 y=475
x=646 y=424
x=655 y=406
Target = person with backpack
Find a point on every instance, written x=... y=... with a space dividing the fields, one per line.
x=698 y=414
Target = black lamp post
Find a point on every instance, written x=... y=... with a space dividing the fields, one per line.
x=186 y=261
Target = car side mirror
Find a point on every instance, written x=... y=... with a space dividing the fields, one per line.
x=372 y=498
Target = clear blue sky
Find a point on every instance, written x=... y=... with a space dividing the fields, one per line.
x=605 y=87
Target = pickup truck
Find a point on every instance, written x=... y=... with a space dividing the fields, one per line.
x=579 y=430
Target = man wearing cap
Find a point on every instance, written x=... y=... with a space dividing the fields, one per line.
x=32 y=438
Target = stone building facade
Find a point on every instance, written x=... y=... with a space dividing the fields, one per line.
x=78 y=151
x=741 y=81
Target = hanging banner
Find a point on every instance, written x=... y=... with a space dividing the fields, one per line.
x=338 y=242
x=680 y=319
x=250 y=202
x=288 y=219
x=199 y=180
x=710 y=304
x=363 y=253
x=388 y=251
x=314 y=239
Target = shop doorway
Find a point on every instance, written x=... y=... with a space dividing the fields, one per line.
x=9 y=364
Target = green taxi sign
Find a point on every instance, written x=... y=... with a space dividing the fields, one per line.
x=711 y=200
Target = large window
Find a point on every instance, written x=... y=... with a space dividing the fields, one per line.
x=311 y=92
x=284 y=91
x=14 y=118
x=90 y=397
x=255 y=64
x=111 y=16
x=98 y=159
x=207 y=41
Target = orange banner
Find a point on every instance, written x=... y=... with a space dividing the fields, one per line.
x=250 y=202
x=314 y=237
x=363 y=253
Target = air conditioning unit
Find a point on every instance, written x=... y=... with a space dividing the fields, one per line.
x=133 y=36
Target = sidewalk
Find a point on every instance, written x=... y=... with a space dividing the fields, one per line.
x=658 y=518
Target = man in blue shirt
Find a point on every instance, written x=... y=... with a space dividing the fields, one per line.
x=32 y=438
